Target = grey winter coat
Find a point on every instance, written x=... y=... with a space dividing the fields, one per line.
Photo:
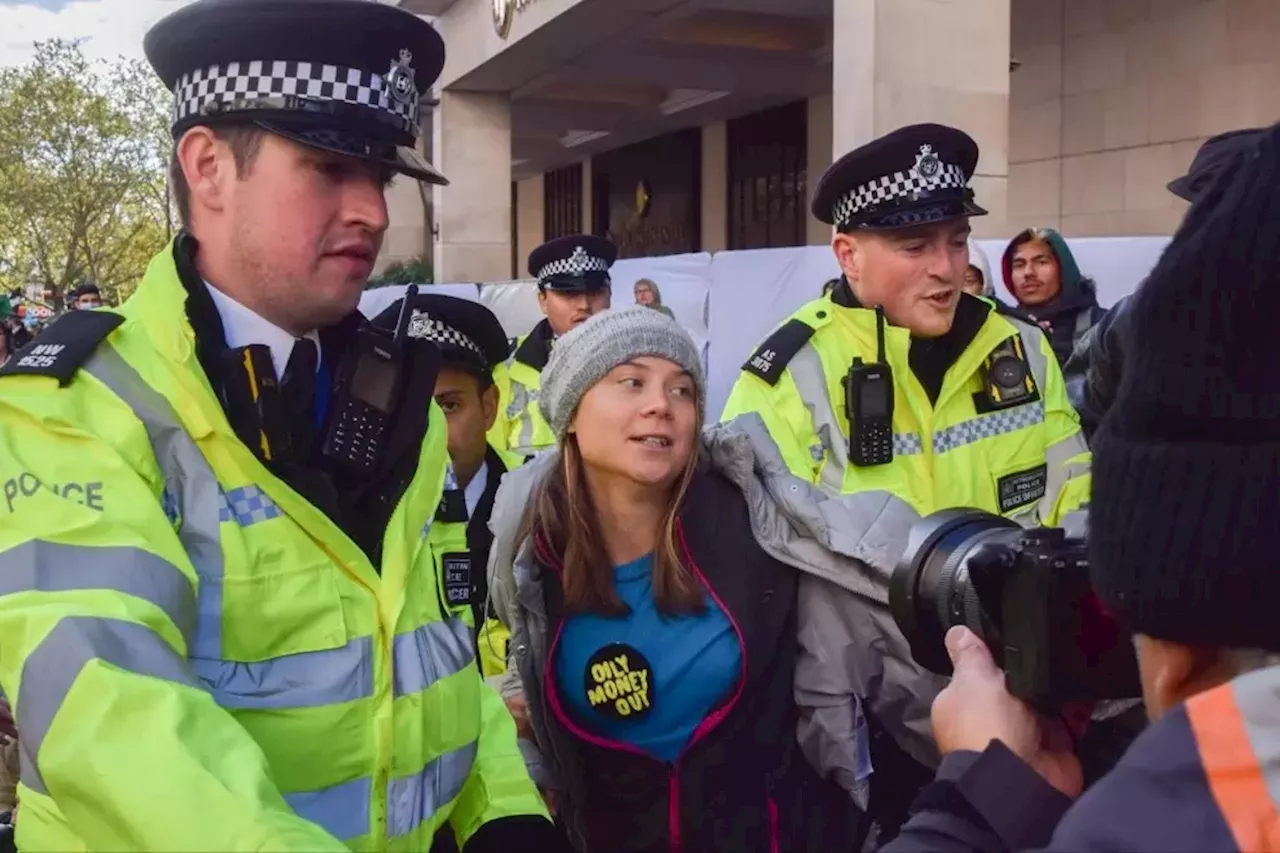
x=851 y=649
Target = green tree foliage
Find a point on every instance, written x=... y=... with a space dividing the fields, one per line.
x=415 y=271
x=83 y=149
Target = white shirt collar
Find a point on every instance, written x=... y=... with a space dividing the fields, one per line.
x=243 y=328
x=475 y=489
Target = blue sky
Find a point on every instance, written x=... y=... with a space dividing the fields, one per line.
x=109 y=27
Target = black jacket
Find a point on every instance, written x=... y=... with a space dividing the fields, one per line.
x=480 y=538
x=742 y=785
x=1094 y=369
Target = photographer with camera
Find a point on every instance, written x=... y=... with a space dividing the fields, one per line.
x=1186 y=490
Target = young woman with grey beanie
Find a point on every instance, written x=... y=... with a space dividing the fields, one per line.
x=654 y=640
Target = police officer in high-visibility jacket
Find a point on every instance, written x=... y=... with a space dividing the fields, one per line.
x=899 y=382
x=471 y=344
x=901 y=394
x=223 y=605
x=573 y=284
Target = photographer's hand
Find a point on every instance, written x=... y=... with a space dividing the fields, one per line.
x=975 y=709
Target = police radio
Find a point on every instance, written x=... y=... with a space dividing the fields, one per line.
x=868 y=404
x=367 y=395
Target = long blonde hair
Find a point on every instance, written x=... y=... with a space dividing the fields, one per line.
x=562 y=517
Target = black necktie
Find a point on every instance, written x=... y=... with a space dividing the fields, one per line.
x=299 y=389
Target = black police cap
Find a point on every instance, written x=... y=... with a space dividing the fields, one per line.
x=344 y=76
x=467 y=333
x=916 y=175
x=575 y=263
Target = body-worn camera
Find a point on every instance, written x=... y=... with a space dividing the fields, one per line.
x=1026 y=593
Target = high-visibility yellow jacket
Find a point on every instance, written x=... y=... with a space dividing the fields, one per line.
x=199 y=658
x=1028 y=461
x=520 y=427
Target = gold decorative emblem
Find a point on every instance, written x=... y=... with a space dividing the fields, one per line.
x=642 y=199
x=504 y=11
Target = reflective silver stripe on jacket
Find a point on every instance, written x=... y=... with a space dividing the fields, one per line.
x=190 y=483
x=52 y=668
x=811 y=384
x=414 y=799
x=523 y=399
x=39 y=566
x=433 y=651
x=341 y=810
x=988 y=426
x=305 y=680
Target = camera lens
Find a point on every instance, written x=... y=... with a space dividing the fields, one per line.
x=933 y=589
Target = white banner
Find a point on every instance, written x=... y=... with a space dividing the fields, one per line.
x=730 y=302
x=682 y=284
x=374 y=302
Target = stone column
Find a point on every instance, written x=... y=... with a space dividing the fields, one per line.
x=472 y=144
x=900 y=62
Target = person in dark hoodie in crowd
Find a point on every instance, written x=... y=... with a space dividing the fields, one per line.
x=1093 y=371
x=1186 y=487
x=1042 y=274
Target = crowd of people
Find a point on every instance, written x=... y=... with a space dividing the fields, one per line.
x=280 y=576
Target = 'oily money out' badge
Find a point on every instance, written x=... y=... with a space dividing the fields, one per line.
x=619 y=682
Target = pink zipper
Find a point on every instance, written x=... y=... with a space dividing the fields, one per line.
x=773 y=826
x=704 y=728
x=715 y=718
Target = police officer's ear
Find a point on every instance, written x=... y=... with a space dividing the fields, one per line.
x=542 y=299
x=208 y=166
x=848 y=254
x=489 y=406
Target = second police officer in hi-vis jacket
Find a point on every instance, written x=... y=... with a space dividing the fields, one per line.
x=573 y=283
x=905 y=395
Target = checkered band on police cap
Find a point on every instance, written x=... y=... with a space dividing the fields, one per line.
x=297 y=86
x=928 y=175
x=576 y=264
x=423 y=325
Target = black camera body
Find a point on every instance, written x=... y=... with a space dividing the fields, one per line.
x=1026 y=593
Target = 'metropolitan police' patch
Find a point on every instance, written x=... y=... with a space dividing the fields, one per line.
x=619 y=682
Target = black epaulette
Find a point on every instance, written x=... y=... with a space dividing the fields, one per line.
x=64 y=346
x=772 y=357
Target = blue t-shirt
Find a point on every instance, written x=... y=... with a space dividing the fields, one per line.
x=646 y=679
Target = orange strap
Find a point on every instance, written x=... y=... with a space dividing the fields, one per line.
x=1232 y=767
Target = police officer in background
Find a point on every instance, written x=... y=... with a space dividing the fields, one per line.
x=471 y=343
x=222 y=608
x=911 y=396
x=573 y=283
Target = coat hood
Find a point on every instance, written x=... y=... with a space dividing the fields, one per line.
x=978 y=259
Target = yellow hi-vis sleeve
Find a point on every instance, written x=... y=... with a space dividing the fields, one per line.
x=785 y=416
x=123 y=747
x=499 y=785
x=1067 y=457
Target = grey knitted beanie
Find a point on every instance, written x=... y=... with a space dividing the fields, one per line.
x=585 y=355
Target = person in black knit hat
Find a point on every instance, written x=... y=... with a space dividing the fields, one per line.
x=1183 y=545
